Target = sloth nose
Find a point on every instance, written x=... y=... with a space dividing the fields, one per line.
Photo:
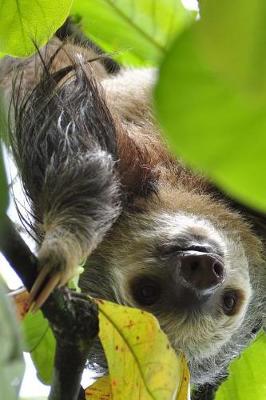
x=201 y=272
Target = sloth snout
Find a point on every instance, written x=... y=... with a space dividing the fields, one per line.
x=201 y=272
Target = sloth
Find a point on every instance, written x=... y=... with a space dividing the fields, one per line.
x=106 y=191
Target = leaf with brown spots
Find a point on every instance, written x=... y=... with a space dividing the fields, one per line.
x=142 y=364
x=184 y=390
x=20 y=297
x=100 y=390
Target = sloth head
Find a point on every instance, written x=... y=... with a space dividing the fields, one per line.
x=193 y=264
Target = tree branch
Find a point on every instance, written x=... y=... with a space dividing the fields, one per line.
x=73 y=318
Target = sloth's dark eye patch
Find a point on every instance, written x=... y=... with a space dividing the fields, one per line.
x=231 y=301
x=146 y=291
x=198 y=248
x=167 y=251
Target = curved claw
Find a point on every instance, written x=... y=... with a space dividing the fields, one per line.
x=45 y=292
x=40 y=281
x=56 y=269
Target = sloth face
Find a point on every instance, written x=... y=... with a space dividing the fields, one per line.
x=191 y=276
x=192 y=271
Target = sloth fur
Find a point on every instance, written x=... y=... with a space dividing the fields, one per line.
x=104 y=187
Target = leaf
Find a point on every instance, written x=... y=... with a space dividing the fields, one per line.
x=26 y=23
x=99 y=390
x=138 y=353
x=11 y=360
x=184 y=390
x=20 y=297
x=214 y=127
x=38 y=340
x=139 y=30
x=43 y=357
x=3 y=181
x=3 y=186
x=233 y=36
x=141 y=362
x=247 y=374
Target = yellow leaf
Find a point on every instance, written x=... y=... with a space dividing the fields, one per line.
x=184 y=390
x=100 y=390
x=142 y=364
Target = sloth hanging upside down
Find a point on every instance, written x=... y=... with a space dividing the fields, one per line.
x=104 y=188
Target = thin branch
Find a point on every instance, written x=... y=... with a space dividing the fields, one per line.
x=17 y=253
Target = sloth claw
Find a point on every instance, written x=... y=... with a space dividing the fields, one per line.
x=47 y=280
x=40 y=281
x=57 y=265
x=43 y=295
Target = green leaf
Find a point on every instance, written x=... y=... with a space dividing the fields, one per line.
x=233 y=37
x=26 y=23
x=213 y=126
x=139 y=30
x=247 y=375
x=39 y=341
x=11 y=360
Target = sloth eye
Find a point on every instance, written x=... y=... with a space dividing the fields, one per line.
x=229 y=302
x=146 y=291
x=198 y=248
x=175 y=250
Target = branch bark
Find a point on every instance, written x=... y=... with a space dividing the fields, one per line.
x=73 y=318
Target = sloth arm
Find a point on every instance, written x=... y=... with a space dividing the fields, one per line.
x=63 y=139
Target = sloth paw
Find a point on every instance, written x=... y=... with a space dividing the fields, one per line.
x=57 y=265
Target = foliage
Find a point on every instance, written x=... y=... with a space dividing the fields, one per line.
x=3 y=182
x=211 y=97
x=247 y=374
x=101 y=389
x=11 y=361
x=38 y=338
x=139 y=31
x=128 y=355
x=40 y=342
x=134 y=346
x=237 y=52
x=140 y=358
x=26 y=24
